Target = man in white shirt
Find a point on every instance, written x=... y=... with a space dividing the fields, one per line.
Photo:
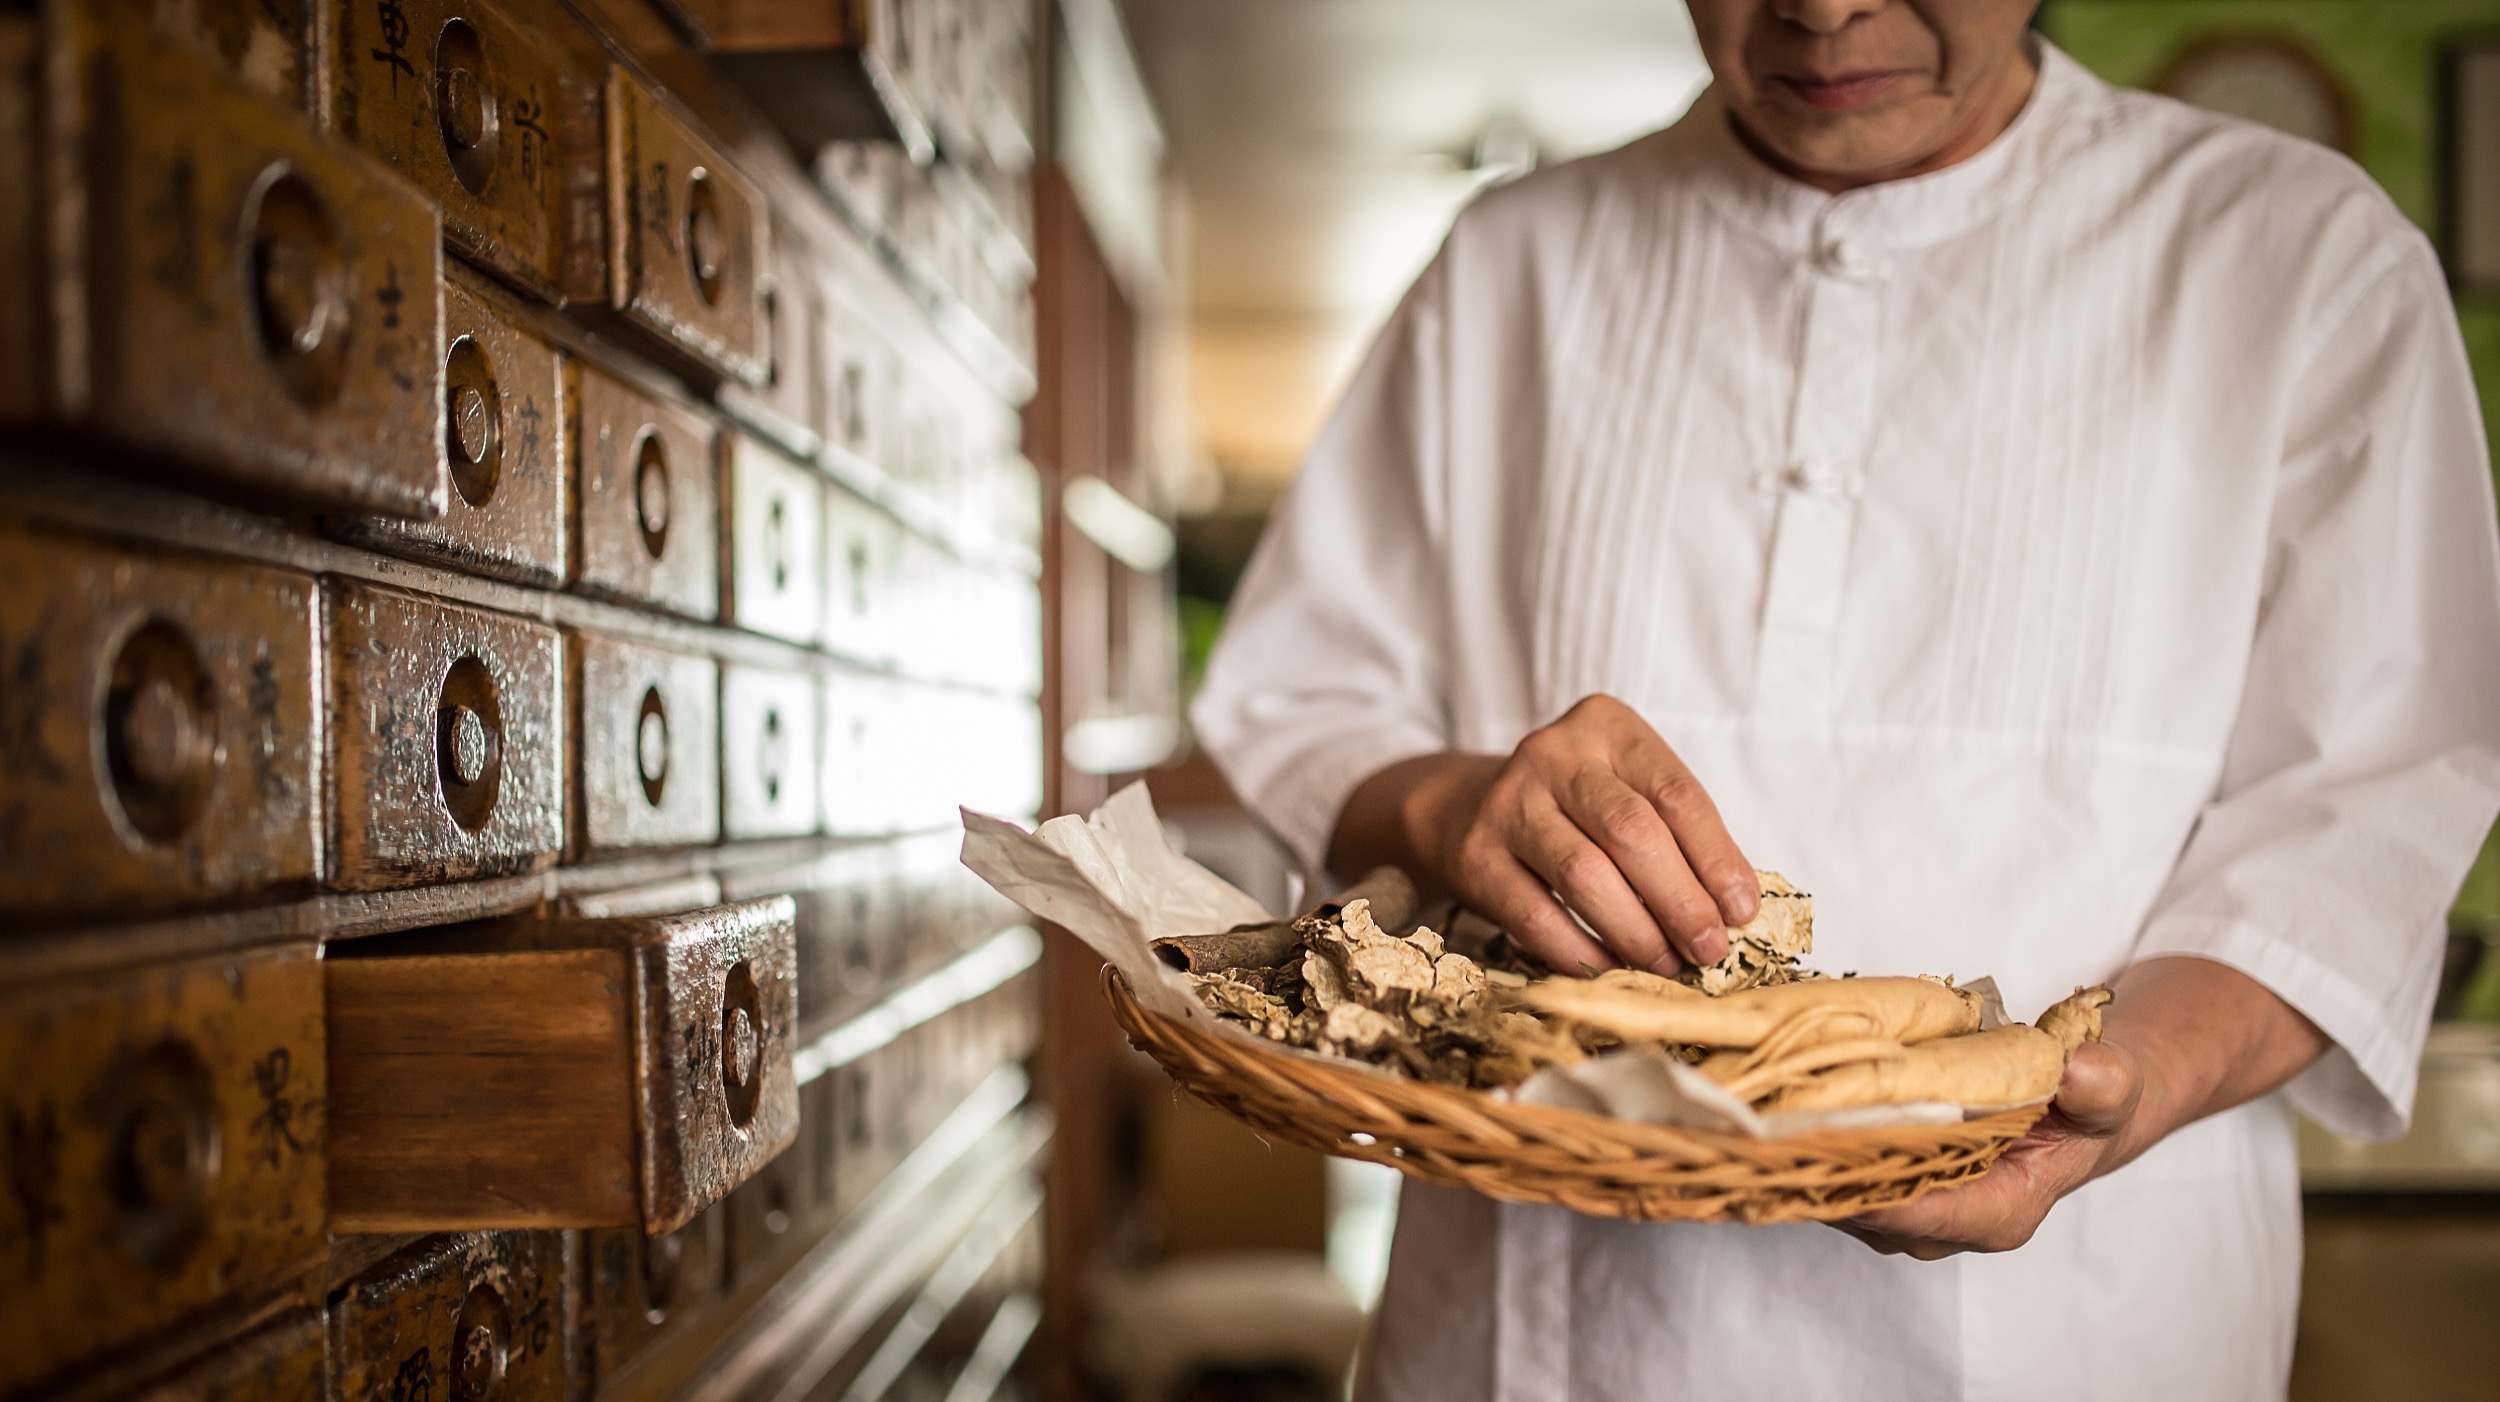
x=2051 y=524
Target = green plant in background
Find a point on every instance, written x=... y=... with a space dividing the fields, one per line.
x=2385 y=55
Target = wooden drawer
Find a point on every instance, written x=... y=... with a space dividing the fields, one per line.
x=504 y=426
x=470 y=1318
x=794 y=316
x=864 y=721
x=559 y=1071
x=637 y=1284
x=770 y=1211
x=769 y=731
x=447 y=760
x=293 y=282
x=650 y=756
x=470 y=104
x=289 y=1361
x=160 y=727
x=775 y=512
x=165 y=1148
x=268 y=47
x=863 y=552
x=648 y=525
x=686 y=235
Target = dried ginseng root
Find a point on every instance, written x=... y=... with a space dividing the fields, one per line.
x=2009 y=1065
x=1810 y=1013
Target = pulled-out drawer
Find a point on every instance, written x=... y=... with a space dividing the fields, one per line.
x=559 y=1072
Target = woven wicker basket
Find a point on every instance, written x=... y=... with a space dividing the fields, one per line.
x=1536 y=1153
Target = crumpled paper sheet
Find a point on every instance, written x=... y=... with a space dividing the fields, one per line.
x=1112 y=880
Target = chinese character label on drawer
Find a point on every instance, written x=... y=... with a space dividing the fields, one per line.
x=468 y=104
x=165 y=1134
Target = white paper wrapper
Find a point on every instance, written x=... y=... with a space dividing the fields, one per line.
x=1112 y=880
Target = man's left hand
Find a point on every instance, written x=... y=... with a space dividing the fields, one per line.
x=2082 y=1136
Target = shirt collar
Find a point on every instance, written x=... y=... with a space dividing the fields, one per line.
x=2066 y=105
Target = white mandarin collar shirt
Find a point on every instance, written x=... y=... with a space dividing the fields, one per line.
x=2080 y=554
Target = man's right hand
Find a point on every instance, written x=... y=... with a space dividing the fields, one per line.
x=1592 y=816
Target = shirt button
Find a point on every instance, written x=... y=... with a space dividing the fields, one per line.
x=1847 y=259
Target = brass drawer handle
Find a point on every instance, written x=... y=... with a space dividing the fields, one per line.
x=160 y=732
x=474 y=428
x=469 y=743
x=299 y=285
x=464 y=97
x=651 y=746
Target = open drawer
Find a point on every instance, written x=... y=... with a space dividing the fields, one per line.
x=559 y=1071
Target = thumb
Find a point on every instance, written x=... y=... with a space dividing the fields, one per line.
x=2100 y=1088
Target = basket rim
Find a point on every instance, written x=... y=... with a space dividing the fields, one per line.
x=1446 y=1102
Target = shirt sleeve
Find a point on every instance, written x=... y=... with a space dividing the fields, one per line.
x=1331 y=664
x=2363 y=769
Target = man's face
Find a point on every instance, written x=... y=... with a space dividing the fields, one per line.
x=1844 y=92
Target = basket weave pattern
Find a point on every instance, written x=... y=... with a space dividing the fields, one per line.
x=1540 y=1154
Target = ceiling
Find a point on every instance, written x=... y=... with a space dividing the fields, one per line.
x=1321 y=147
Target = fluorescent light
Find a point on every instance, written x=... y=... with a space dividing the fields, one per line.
x=1127 y=532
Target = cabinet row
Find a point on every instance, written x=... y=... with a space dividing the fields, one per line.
x=180 y=730
x=160 y=214
x=220 y=1133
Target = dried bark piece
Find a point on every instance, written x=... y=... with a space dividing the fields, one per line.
x=1763 y=951
x=1351 y=1028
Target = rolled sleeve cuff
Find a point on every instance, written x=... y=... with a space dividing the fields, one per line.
x=2363 y=1087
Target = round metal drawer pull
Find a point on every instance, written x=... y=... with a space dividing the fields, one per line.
x=468 y=755
x=300 y=290
x=651 y=494
x=161 y=753
x=465 y=105
x=474 y=422
x=742 y=1044
x=651 y=746
x=480 y=1351
x=773 y=753
x=166 y=1151
x=705 y=238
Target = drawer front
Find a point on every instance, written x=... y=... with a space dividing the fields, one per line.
x=687 y=232
x=649 y=749
x=863 y=716
x=449 y=739
x=863 y=553
x=287 y=1362
x=637 y=1284
x=472 y=1317
x=769 y=767
x=469 y=104
x=770 y=1211
x=776 y=574
x=648 y=528
x=560 y=1072
x=158 y=726
x=267 y=46
x=166 y=1149
x=299 y=280
x=503 y=413
x=794 y=332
